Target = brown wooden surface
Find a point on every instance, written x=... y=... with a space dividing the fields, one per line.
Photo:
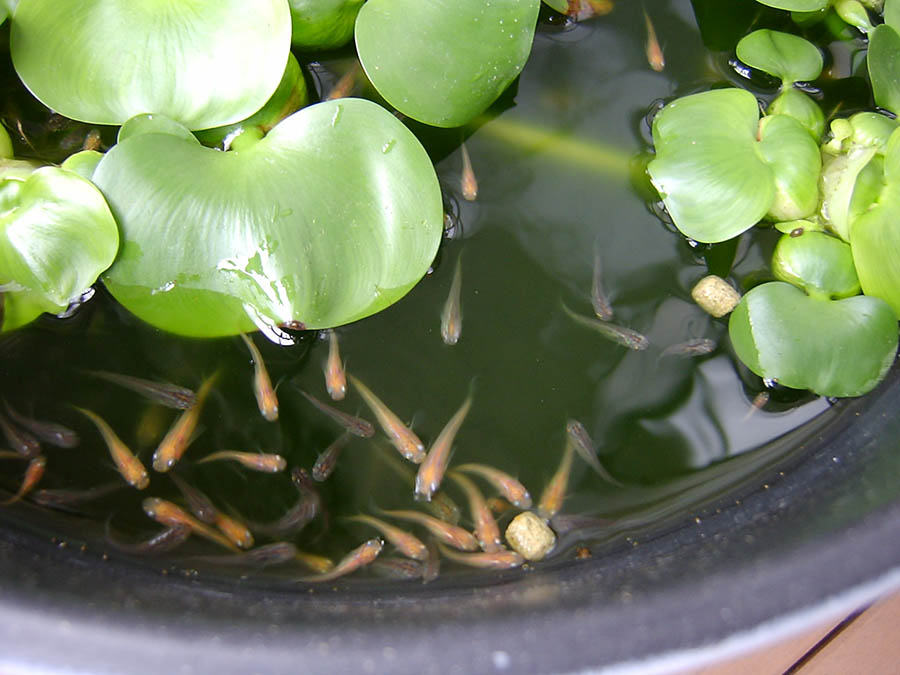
x=865 y=642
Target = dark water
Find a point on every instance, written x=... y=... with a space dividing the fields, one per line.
x=675 y=431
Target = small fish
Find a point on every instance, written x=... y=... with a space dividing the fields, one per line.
x=62 y=499
x=164 y=393
x=509 y=487
x=236 y=532
x=359 y=557
x=129 y=466
x=304 y=510
x=497 y=560
x=266 y=399
x=555 y=491
x=317 y=563
x=326 y=461
x=431 y=471
x=50 y=432
x=441 y=505
x=599 y=299
x=402 y=569
x=402 y=437
x=335 y=377
x=498 y=505
x=584 y=446
x=167 y=513
x=345 y=85
x=92 y=140
x=264 y=462
x=654 y=52
x=355 y=425
x=164 y=542
x=449 y=534
x=408 y=544
x=758 y=403
x=695 y=347
x=199 y=504
x=451 y=315
x=276 y=553
x=468 y=183
x=486 y=529
x=431 y=568
x=20 y=441
x=33 y=473
x=619 y=334
x=176 y=441
x=579 y=10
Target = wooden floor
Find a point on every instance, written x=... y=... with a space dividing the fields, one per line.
x=865 y=642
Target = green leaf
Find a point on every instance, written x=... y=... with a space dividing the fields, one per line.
x=838 y=183
x=6 y=148
x=786 y=146
x=796 y=5
x=788 y=57
x=443 y=62
x=854 y=13
x=83 y=163
x=331 y=217
x=832 y=347
x=56 y=236
x=883 y=61
x=205 y=63
x=817 y=263
x=794 y=103
x=322 y=24
x=875 y=244
x=290 y=96
x=892 y=13
x=707 y=169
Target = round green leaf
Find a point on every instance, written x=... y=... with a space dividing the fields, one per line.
x=796 y=5
x=794 y=103
x=443 y=62
x=788 y=57
x=707 y=169
x=831 y=347
x=290 y=96
x=818 y=263
x=875 y=242
x=788 y=148
x=56 y=236
x=205 y=63
x=333 y=216
x=83 y=163
x=322 y=24
x=883 y=61
x=561 y=6
x=892 y=13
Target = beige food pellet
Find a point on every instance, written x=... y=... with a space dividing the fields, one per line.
x=715 y=295
x=530 y=536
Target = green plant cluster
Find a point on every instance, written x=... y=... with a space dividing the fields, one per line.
x=722 y=167
x=229 y=202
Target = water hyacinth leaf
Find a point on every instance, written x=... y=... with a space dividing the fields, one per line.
x=837 y=185
x=854 y=13
x=788 y=57
x=561 y=6
x=290 y=96
x=322 y=24
x=333 y=216
x=205 y=63
x=883 y=61
x=796 y=5
x=817 y=263
x=794 y=103
x=875 y=244
x=405 y=47
x=892 y=14
x=6 y=148
x=831 y=347
x=707 y=168
x=788 y=148
x=83 y=163
x=56 y=236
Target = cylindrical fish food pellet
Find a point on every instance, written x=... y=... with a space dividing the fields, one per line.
x=715 y=295
x=530 y=536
